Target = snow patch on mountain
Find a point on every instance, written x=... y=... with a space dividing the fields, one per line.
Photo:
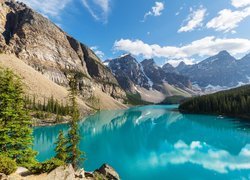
x=149 y=80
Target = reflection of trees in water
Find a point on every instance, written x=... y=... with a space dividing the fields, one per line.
x=134 y=133
x=149 y=128
x=219 y=133
x=220 y=122
x=45 y=137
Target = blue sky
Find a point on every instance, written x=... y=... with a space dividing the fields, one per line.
x=168 y=31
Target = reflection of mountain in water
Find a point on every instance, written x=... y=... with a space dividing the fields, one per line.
x=159 y=139
x=171 y=126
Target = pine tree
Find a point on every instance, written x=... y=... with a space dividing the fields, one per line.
x=15 y=124
x=73 y=151
x=61 y=147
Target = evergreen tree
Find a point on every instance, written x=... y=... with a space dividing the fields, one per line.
x=234 y=102
x=73 y=151
x=15 y=124
x=61 y=147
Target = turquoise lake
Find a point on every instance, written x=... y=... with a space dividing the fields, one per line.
x=156 y=142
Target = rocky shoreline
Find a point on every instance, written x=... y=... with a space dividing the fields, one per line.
x=36 y=122
x=67 y=172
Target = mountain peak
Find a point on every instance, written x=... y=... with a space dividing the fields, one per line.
x=167 y=65
x=126 y=55
x=223 y=57
x=148 y=61
x=182 y=63
x=168 y=68
x=224 y=53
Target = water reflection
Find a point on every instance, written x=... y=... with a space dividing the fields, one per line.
x=157 y=142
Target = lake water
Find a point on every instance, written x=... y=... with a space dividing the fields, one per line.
x=156 y=142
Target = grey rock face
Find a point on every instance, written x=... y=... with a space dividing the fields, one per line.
x=181 y=67
x=146 y=74
x=108 y=172
x=159 y=76
x=244 y=65
x=168 y=68
x=129 y=72
x=62 y=173
x=49 y=50
x=219 y=70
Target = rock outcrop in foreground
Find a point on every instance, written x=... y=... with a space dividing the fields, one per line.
x=105 y=172
x=53 y=53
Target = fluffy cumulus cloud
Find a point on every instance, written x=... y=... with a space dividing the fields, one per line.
x=206 y=46
x=194 y=20
x=240 y=3
x=227 y=20
x=156 y=10
x=51 y=8
x=99 y=9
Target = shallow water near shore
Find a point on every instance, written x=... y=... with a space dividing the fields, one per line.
x=157 y=142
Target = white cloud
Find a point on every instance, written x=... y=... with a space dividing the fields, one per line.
x=51 y=8
x=240 y=3
x=99 y=53
x=227 y=20
x=156 y=10
x=178 y=12
x=206 y=46
x=201 y=154
x=99 y=9
x=194 y=20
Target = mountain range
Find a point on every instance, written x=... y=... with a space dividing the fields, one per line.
x=221 y=71
x=218 y=72
x=46 y=56
x=147 y=79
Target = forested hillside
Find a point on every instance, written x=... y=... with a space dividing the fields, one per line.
x=235 y=102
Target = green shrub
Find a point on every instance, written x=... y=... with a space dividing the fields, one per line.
x=7 y=165
x=47 y=166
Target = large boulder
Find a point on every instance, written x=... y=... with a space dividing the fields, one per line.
x=3 y=176
x=23 y=171
x=62 y=173
x=80 y=174
x=108 y=172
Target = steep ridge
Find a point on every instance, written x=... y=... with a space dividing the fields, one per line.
x=129 y=73
x=159 y=76
x=52 y=52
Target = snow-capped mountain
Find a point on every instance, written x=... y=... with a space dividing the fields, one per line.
x=128 y=72
x=159 y=76
x=148 y=79
x=221 y=71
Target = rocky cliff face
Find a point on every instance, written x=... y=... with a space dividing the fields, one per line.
x=52 y=52
x=150 y=81
x=168 y=68
x=221 y=70
x=160 y=75
x=129 y=73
